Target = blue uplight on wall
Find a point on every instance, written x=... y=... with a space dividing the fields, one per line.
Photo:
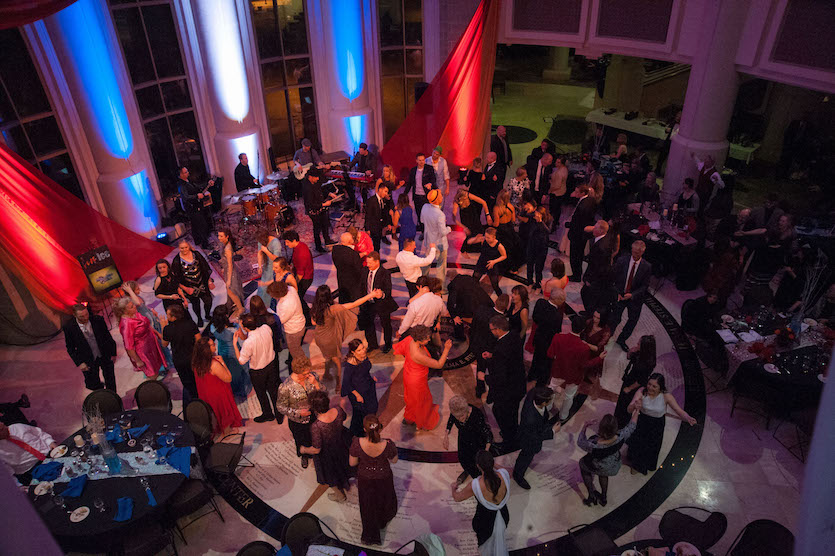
x=356 y=126
x=346 y=17
x=84 y=32
x=138 y=189
x=219 y=21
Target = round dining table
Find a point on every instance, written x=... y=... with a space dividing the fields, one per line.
x=99 y=532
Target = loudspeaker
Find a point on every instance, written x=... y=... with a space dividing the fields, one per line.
x=420 y=88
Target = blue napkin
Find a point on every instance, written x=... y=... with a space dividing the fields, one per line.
x=151 y=500
x=163 y=439
x=47 y=471
x=284 y=551
x=75 y=487
x=125 y=511
x=115 y=436
x=136 y=432
x=178 y=458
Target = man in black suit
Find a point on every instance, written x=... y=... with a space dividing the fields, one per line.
x=192 y=199
x=421 y=181
x=583 y=216
x=243 y=178
x=91 y=348
x=316 y=208
x=632 y=275
x=500 y=145
x=482 y=340
x=539 y=173
x=548 y=315
x=375 y=277
x=375 y=215
x=544 y=147
x=505 y=379
x=466 y=296
x=536 y=425
x=494 y=174
x=597 y=280
x=349 y=269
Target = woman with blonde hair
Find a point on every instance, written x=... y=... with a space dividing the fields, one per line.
x=363 y=243
x=504 y=219
x=234 y=287
x=270 y=248
x=139 y=338
x=466 y=212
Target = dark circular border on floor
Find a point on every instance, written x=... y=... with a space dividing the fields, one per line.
x=616 y=523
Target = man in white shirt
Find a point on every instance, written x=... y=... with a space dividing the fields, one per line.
x=435 y=232
x=424 y=309
x=410 y=264
x=257 y=350
x=22 y=447
x=540 y=176
x=441 y=169
x=289 y=311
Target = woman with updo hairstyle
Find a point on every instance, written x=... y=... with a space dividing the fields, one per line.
x=558 y=277
x=491 y=491
x=372 y=457
x=358 y=385
x=139 y=338
x=603 y=458
x=420 y=412
x=234 y=286
x=328 y=447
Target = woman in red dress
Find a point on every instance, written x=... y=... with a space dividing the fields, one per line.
x=420 y=411
x=213 y=384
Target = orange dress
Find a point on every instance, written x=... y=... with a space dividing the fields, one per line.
x=419 y=407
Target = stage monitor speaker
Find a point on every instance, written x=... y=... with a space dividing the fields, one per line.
x=420 y=88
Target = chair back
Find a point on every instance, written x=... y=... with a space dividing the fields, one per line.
x=201 y=420
x=107 y=401
x=678 y=526
x=299 y=531
x=763 y=536
x=590 y=540
x=153 y=394
x=257 y=548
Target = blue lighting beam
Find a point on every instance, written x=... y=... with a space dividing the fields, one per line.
x=356 y=126
x=137 y=188
x=346 y=23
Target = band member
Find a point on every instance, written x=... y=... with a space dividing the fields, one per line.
x=307 y=154
x=316 y=207
x=364 y=161
x=196 y=202
x=243 y=179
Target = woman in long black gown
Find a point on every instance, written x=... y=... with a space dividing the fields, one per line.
x=467 y=213
x=474 y=434
x=492 y=491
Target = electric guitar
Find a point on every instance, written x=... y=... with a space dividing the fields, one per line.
x=207 y=199
x=300 y=171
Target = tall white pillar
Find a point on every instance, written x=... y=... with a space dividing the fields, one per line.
x=711 y=95
x=89 y=61
x=558 y=69
x=344 y=79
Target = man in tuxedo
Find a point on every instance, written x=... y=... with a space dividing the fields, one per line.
x=544 y=147
x=539 y=172
x=582 y=216
x=421 y=181
x=316 y=208
x=375 y=277
x=349 y=269
x=505 y=379
x=547 y=315
x=536 y=425
x=482 y=340
x=375 y=215
x=501 y=146
x=192 y=199
x=597 y=279
x=632 y=274
x=494 y=174
x=91 y=347
x=243 y=178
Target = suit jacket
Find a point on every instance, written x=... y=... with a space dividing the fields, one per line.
x=533 y=427
x=429 y=180
x=548 y=320
x=77 y=346
x=466 y=296
x=481 y=339
x=349 y=273
x=640 y=282
x=583 y=216
x=599 y=271
x=188 y=195
x=498 y=171
x=375 y=214
x=382 y=281
x=506 y=375
x=544 y=181
x=497 y=147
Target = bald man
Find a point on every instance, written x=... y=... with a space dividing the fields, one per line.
x=435 y=232
x=501 y=146
x=494 y=174
x=349 y=269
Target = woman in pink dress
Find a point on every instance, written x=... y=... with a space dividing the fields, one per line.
x=420 y=411
x=139 y=337
x=362 y=242
x=214 y=384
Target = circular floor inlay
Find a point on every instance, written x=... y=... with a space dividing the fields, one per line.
x=517 y=134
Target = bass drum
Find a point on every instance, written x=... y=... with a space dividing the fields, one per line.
x=286 y=217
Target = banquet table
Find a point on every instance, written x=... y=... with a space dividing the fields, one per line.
x=667 y=246
x=99 y=532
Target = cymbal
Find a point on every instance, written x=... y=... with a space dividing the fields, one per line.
x=265 y=188
x=250 y=191
x=280 y=175
x=231 y=199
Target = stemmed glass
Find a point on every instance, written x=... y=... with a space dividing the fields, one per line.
x=99 y=504
x=59 y=501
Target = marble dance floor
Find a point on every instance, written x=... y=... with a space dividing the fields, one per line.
x=724 y=464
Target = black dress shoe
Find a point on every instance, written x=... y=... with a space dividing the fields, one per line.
x=386 y=348
x=521 y=482
x=264 y=418
x=321 y=250
x=305 y=461
x=386 y=240
x=279 y=418
x=622 y=345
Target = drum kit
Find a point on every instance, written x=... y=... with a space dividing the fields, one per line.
x=261 y=206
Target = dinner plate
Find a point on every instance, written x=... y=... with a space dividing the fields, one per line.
x=810 y=322
x=42 y=488
x=771 y=368
x=79 y=514
x=727 y=318
x=822 y=377
x=58 y=451
x=630 y=552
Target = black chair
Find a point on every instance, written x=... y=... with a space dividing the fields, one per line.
x=257 y=548
x=300 y=531
x=760 y=537
x=679 y=526
x=107 y=402
x=224 y=458
x=201 y=420
x=589 y=540
x=147 y=540
x=153 y=394
x=192 y=495
x=804 y=425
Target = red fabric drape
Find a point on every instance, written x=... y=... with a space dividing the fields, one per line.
x=43 y=228
x=454 y=112
x=14 y=13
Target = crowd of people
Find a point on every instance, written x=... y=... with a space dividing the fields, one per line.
x=220 y=353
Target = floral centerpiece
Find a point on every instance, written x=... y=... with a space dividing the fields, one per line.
x=784 y=337
x=764 y=352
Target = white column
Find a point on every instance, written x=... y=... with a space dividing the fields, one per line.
x=711 y=95
x=85 y=57
x=558 y=69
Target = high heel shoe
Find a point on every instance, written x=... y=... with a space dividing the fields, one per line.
x=600 y=499
x=591 y=500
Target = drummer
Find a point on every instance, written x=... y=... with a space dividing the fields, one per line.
x=243 y=178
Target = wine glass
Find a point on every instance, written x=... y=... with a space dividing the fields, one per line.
x=99 y=504
x=59 y=501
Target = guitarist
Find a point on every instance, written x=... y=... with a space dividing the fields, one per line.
x=196 y=202
x=316 y=207
x=305 y=156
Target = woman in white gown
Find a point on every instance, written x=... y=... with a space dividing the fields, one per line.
x=492 y=491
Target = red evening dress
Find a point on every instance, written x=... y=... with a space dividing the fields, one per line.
x=218 y=395
x=419 y=407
